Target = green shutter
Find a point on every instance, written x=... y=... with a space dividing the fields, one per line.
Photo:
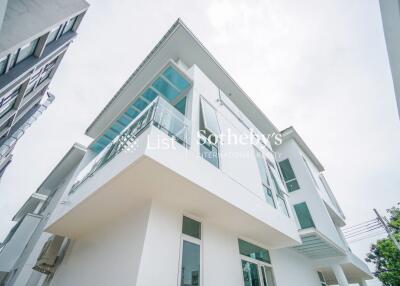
x=303 y=215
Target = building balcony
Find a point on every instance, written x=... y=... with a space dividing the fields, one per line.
x=153 y=159
x=16 y=241
x=315 y=245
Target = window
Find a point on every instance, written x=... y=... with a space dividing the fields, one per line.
x=209 y=128
x=69 y=25
x=53 y=35
x=209 y=152
x=289 y=176
x=3 y=65
x=190 y=256
x=280 y=193
x=256 y=265
x=181 y=105
x=191 y=227
x=253 y=251
x=7 y=102
x=264 y=178
x=322 y=278
x=303 y=215
x=26 y=51
x=208 y=119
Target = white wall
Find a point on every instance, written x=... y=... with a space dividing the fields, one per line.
x=291 y=268
x=108 y=256
x=308 y=191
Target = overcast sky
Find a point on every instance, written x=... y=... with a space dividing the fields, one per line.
x=320 y=66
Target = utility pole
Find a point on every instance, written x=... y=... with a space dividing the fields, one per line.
x=396 y=243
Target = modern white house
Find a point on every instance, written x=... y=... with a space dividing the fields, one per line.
x=187 y=182
x=34 y=37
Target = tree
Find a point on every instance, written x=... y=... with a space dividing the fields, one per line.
x=385 y=255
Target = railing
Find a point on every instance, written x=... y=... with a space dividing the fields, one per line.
x=159 y=113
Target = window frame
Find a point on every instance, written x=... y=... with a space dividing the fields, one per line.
x=258 y=263
x=297 y=216
x=194 y=240
x=203 y=118
x=287 y=182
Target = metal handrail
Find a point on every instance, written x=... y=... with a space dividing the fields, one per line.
x=159 y=113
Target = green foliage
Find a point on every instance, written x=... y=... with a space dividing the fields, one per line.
x=385 y=255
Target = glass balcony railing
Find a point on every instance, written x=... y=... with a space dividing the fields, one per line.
x=159 y=113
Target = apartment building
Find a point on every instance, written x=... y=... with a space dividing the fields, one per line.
x=181 y=186
x=20 y=249
x=34 y=36
x=390 y=12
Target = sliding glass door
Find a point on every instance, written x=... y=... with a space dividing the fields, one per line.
x=256 y=273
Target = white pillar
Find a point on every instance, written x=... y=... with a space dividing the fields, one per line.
x=339 y=274
x=362 y=283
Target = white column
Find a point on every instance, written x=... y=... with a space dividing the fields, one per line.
x=362 y=283
x=339 y=274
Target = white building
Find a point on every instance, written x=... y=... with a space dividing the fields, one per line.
x=153 y=202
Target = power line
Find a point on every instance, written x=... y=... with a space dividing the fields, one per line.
x=363 y=232
x=360 y=224
x=362 y=229
x=366 y=237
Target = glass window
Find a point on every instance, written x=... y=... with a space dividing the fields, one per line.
x=181 y=105
x=261 y=167
x=250 y=274
x=289 y=176
x=53 y=35
x=7 y=107
x=69 y=25
x=322 y=278
x=150 y=95
x=280 y=195
x=26 y=51
x=208 y=118
x=209 y=152
x=140 y=104
x=175 y=78
x=190 y=268
x=13 y=58
x=253 y=251
x=3 y=64
x=303 y=215
x=165 y=89
x=268 y=196
x=191 y=227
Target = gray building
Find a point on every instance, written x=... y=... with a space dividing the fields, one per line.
x=34 y=36
x=20 y=249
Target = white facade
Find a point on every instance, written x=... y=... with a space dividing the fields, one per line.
x=149 y=205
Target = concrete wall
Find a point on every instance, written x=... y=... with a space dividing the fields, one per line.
x=110 y=255
x=292 y=268
x=308 y=191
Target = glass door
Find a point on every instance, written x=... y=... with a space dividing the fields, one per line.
x=256 y=273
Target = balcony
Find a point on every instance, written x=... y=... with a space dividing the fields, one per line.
x=135 y=168
x=315 y=245
x=158 y=113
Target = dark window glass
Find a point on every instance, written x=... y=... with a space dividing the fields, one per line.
x=3 y=65
x=303 y=215
x=181 y=105
x=191 y=227
x=250 y=274
x=209 y=152
x=253 y=251
x=190 y=269
x=289 y=176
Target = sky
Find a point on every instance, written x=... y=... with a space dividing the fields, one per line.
x=320 y=66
